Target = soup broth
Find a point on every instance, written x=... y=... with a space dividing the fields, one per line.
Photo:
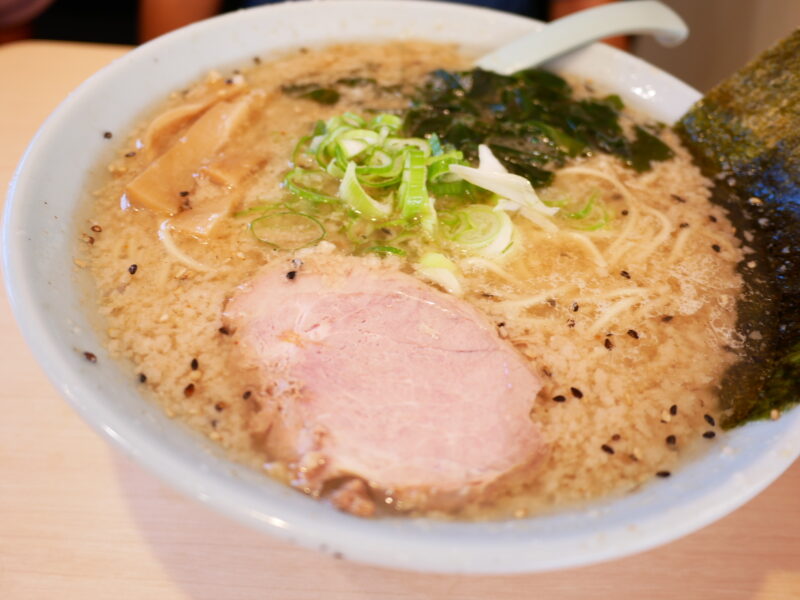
x=629 y=326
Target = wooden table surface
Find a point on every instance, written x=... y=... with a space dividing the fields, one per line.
x=79 y=520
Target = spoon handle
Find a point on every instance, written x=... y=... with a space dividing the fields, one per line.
x=584 y=27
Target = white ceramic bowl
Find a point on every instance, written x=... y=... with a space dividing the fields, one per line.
x=40 y=234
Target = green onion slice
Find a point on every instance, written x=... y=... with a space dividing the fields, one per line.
x=355 y=141
x=441 y=180
x=437 y=260
x=288 y=230
x=592 y=216
x=452 y=188
x=395 y=144
x=358 y=199
x=439 y=166
x=392 y=122
x=325 y=146
x=307 y=184
x=301 y=155
x=584 y=212
x=352 y=120
x=262 y=208
x=480 y=229
x=371 y=178
x=602 y=222
x=439 y=269
x=413 y=194
x=387 y=250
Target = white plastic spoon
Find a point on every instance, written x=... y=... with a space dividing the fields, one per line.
x=584 y=27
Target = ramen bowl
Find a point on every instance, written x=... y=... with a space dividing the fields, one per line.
x=49 y=299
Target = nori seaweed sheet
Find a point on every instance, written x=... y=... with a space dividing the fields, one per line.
x=745 y=134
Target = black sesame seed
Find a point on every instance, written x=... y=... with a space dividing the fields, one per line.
x=247 y=394
x=142 y=378
x=678 y=198
x=667 y=318
x=633 y=333
x=188 y=390
x=559 y=398
x=616 y=437
x=183 y=194
x=672 y=440
x=229 y=81
x=683 y=225
x=673 y=410
x=607 y=449
x=107 y=135
x=97 y=228
x=130 y=154
x=576 y=392
x=663 y=474
x=90 y=357
x=608 y=344
x=709 y=435
x=194 y=364
x=291 y=275
x=624 y=213
x=220 y=406
x=712 y=218
x=710 y=420
x=625 y=274
x=575 y=307
x=224 y=331
x=571 y=323
x=132 y=269
x=716 y=248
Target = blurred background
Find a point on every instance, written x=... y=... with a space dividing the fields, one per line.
x=724 y=33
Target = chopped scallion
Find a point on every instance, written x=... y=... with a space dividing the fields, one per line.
x=358 y=199
x=288 y=230
x=387 y=250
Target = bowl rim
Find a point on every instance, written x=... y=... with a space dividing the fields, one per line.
x=418 y=548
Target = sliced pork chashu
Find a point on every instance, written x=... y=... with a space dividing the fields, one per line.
x=375 y=382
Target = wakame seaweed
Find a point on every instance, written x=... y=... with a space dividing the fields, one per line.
x=312 y=91
x=745 y=134
x=328 y=94
x=530 y=120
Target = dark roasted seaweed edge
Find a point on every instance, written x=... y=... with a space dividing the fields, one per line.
x=760 y=188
